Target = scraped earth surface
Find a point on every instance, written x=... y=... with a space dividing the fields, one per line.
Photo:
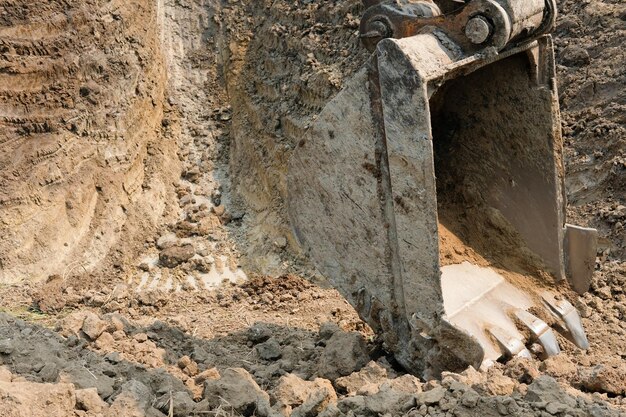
x=146 y=264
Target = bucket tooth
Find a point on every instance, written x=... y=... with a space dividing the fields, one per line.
x=512 y=346
x=567 y=313
x=540 y=331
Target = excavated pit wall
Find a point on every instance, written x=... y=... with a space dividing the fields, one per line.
x=82 y=158
x=278 y=79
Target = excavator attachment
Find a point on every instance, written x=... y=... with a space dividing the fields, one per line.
x=429 y=191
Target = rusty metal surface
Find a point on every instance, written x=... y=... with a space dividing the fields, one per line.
x=508 y=20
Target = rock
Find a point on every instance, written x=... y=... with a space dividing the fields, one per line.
x=546 y=389
x=308 y=398
x=140 y=337
x=139 y=392
x=155 y=298
x=327 y=330
x=269 y=350
x=173 y=256
x=280 y=243
x=219 y=210
x=496 y=384
x=182 y=405
x=388 y=401
x=604 y=378
x=365 y=381
x=105 y=342
x=236 y=391
x=559 y=366
x=317 y=401
x=93 y=326
x=113 y=357
x=555 y=408
x=71 y=325
x=523 y=370
x=49 y=372
x=5 y=374
x=210 y=374
x=331 y=411
x=434 y=396
x=574 y=56
x=21 y=398
x=293 y=390
x=344 y=354
x=470 y=398
x=89 y=400
x=6 y=347
x=83 y=378
x=166 y=241
x=209 y=224
x=405 y=383
x=258 y=333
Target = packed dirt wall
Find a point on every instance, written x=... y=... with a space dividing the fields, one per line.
x=85 y=169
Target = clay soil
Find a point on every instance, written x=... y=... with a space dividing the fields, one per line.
x=146 y=264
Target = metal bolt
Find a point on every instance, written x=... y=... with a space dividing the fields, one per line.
x=478 y=29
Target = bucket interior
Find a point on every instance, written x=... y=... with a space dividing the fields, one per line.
x=498 y=191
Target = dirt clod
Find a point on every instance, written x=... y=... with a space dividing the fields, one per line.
x=344 y=354
x=173 y=256
x=603 y=378
x=236 y=391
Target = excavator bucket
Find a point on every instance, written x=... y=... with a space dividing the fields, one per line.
x=429 y=191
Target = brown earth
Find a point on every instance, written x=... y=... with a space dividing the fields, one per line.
x=143 y=158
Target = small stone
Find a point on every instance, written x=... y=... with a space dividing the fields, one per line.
x=236 y=391
x=574 y=56
x=364 y=381
x=184 y=362
x=5 y=374
x=496 y=384
x=219 y=210
x=181 y=403
x=166 y=241
x=113 y=357
x=321 y=394
x=93 y=326
x=559 y=366
x=49 y=372
x=546 y=389
x=434 y=396
x=132 y=394
x=555 y=408
x=191 y=369
x=327 y=330
x=88 y=400
x=523 y=370
x=604 y=378
x=140 y=337
x=269 y=350
x=258 y=333
x=105 y=341
x=344 y=354
x=210 y=374
x=308 y=397
x=6 y=347
x=470 y=398
x=280 y=243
